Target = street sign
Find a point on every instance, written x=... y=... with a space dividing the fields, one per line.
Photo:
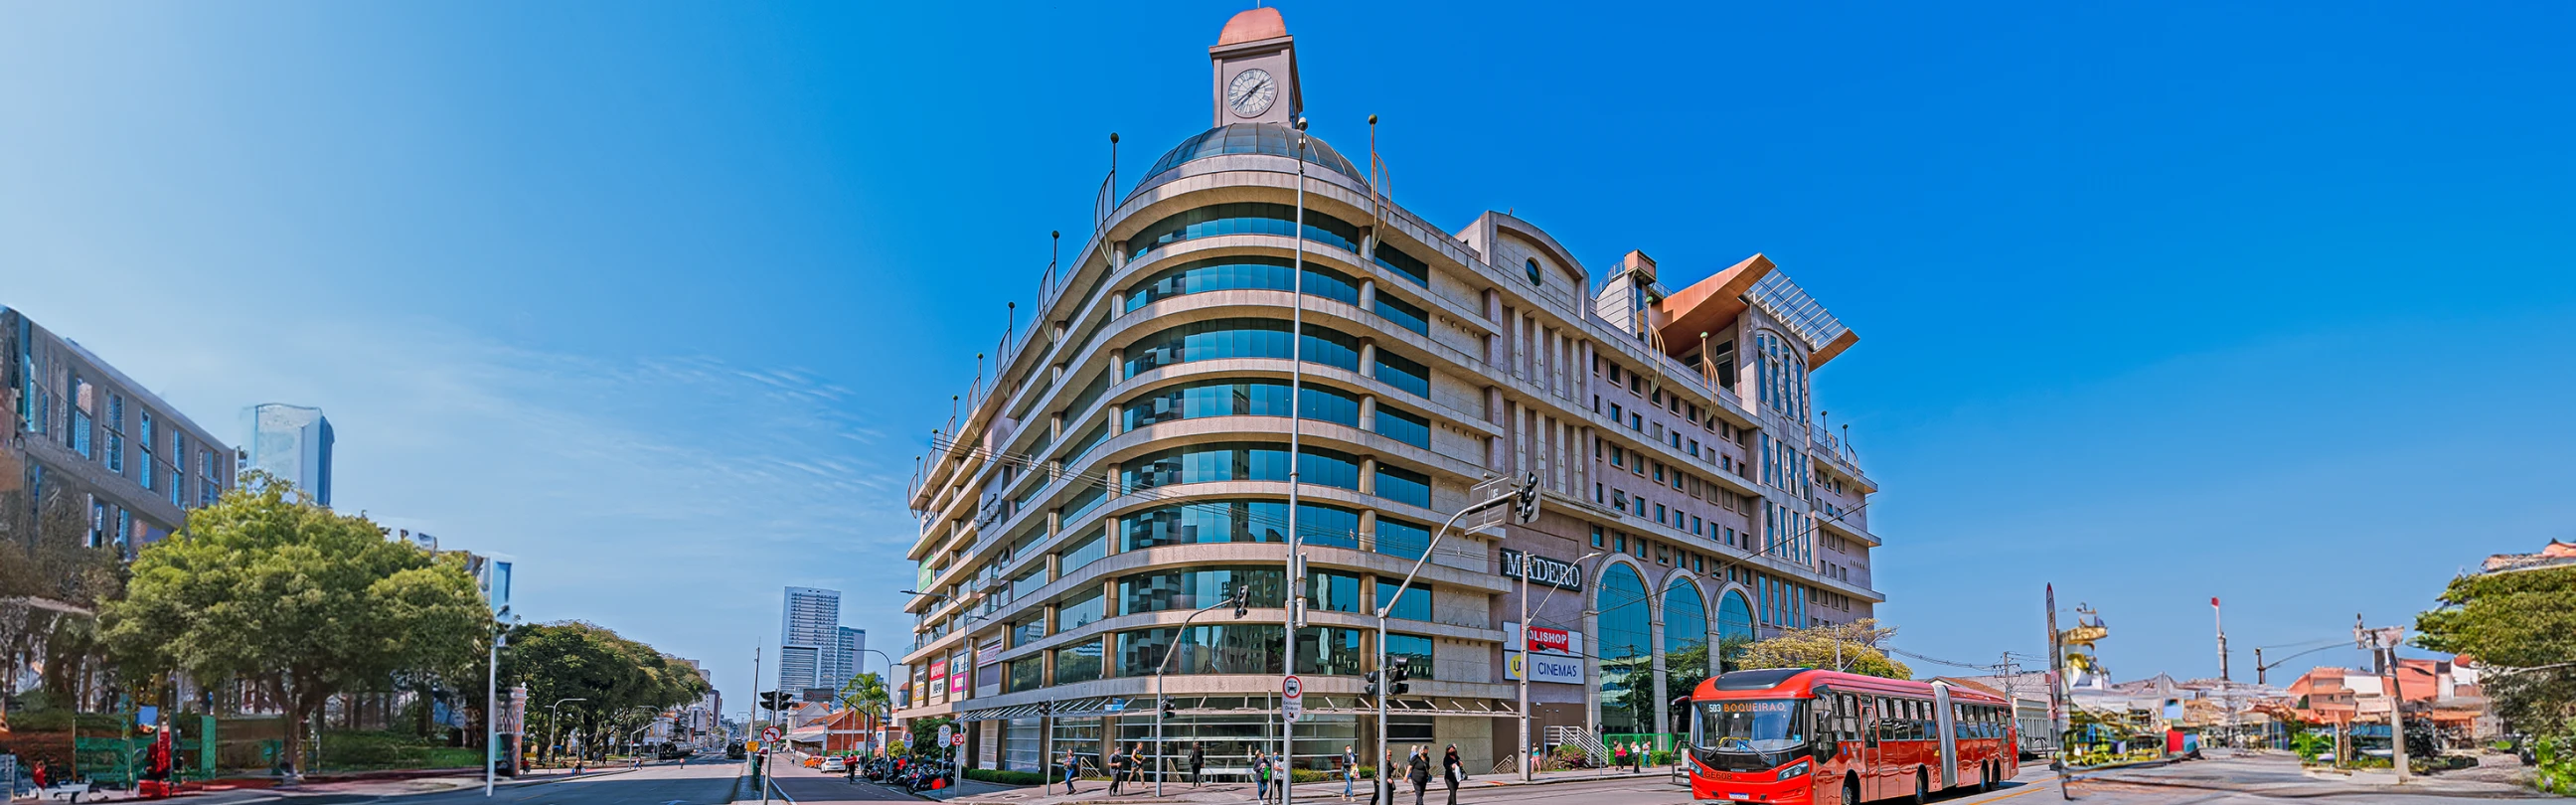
x=769 y=734
x=960 y=740
x=1292 y=697
x=944 y=730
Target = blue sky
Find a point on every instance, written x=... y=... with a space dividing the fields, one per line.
x=2157 y=302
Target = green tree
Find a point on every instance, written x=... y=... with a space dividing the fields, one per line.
x=619 y=681
x=925 y=732
x=2514 y=620
x=1814 y=648
x=300 y=602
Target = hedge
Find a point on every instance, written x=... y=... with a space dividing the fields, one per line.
x=1006 y=777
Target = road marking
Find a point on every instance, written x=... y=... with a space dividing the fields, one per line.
x=2034 y=789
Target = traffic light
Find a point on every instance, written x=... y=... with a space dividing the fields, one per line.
x=1369 y=689
x=1170 y=708
x=777 y=700
x=1525 y=500
x=1396 y=674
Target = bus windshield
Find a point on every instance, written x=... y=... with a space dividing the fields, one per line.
x=1753 y=726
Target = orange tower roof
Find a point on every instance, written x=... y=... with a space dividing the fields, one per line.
x=1253 y=26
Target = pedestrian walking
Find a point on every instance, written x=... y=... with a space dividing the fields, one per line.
x=1198 y=762
x=1350 y=769
x=1261 y=777
x=1117 y=768
x=1418 y=770
x=1072 y=769
x=1452 y=771
x=1137 y=760
x=1385 y=782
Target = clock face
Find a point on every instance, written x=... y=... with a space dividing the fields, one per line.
x=1251 y=92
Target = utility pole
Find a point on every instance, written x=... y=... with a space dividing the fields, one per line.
x=2258 y=666
x=1294 y=614
x=2056 y=696
x=2217 y=618
x=2383 y=646
x=763 y=759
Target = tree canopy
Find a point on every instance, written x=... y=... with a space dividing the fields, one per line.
x=1815 y=647
x=297 y=600
x=2508 y=621
x=618 y=680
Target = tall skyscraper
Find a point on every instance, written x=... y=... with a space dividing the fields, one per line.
x=808 y=632
x=291 y=442
x=853 y=640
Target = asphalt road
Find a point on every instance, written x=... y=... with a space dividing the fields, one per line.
x=694 y=782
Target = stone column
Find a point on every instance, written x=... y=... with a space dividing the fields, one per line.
x=1368 y=412
x=1583 y=374
x=1655 y=637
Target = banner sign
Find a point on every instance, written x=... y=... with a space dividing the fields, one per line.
x=1555 y=655
x=1542 y=570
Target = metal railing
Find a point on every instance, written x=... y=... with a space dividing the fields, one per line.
x=1593 y=749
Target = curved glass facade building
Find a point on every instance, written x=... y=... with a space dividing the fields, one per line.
x=1130 y=465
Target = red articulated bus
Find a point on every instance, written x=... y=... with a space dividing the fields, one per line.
x=1801 y=735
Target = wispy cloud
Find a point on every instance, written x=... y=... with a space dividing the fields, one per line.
x=668 y=496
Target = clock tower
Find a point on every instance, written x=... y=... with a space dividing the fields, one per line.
x=1255 y=63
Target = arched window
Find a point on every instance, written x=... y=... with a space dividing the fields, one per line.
x=1627 y=652
x=1734 y=627
x=1685 y=646
x=1536 y=276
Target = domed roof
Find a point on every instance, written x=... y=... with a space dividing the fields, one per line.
x=1251 y=138
x=1253 y=26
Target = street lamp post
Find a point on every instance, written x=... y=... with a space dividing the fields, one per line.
x=554 y=721
x=875 y=738
x=1527 y=499
x=1528 y=758
x=492 y=701
x=1162 y=757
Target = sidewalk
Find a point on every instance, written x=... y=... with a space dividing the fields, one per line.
x=2282 y=776
x=386 y=786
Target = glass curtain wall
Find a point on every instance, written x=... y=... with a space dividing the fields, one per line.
x=1627 y=651
x=1685 y=647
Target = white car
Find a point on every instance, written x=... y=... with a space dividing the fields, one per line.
x=834 y=764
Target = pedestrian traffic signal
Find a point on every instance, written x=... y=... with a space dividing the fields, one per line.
x=1369 y=689
x=1170 y=708
x=1397 y=673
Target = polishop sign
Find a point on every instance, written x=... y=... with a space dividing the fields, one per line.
x=1542 y=570
x=1555 y=655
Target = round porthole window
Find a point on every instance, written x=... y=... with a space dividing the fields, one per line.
x=1535 y=277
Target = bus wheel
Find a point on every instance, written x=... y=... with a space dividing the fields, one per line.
x=1922 y=787
x=1851 y=791
x=1986 y=779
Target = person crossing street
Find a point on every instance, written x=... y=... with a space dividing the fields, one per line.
x=1452 y=771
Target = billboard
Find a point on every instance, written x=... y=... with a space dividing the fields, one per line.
x=1555 y=655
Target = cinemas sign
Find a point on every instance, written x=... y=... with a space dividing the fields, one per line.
x=1555 y=655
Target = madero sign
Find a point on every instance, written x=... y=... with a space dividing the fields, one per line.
x=1542 y=570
